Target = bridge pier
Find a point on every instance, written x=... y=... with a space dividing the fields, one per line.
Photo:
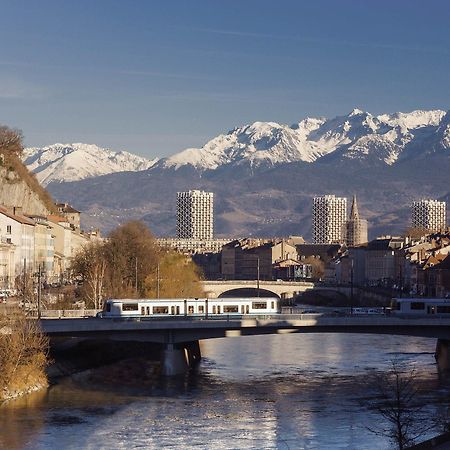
x=173 y=360
x=442 y=355
x=176 y=359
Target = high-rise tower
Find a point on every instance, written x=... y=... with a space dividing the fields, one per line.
x=428 y=215
x=329 y=217
x=195 y=214
x=356 y=228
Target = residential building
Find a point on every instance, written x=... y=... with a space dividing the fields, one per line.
x=356 y=227
x=44 y=246
x=18 y=230
x=195 y=215
x=7 y=264
x=71 y=214
x=428 y=215
x=249 y=259
x=329 y=217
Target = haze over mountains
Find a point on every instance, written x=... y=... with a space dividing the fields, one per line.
x=263 y=174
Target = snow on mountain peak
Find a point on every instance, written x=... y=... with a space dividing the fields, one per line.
x=72 y=162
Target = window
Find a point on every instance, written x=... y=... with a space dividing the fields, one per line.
x=190 y=309
x=108 y=307
x=443 y=309
x=230 y=308
x=142 y=310
x=417 y=305
x=273 y=305
x=130 y=307
x=172 y=310
x=214 y=309
x=160 y=310
x=200 y=309
x=259 y=305
x=8 y=229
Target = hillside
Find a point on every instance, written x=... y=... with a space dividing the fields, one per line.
x=19 y=186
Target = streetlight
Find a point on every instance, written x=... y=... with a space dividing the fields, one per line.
x=351 y=288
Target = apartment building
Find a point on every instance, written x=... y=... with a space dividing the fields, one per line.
x=428 y=214
x=329 y=217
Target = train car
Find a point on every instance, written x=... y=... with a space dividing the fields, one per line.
x=420 y=306
x=204 y=307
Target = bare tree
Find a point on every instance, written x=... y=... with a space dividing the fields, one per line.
x=10 y=140
x=90 y=264
x=397 y=402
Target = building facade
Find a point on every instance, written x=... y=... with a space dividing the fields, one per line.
x=195 y=214
x=329 y=219
x=428 y=215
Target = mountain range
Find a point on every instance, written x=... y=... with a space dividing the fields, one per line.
x=264 y=175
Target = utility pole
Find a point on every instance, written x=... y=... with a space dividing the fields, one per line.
x=39 y=292
x=351 y=289
x=157 y=281
x=257 y=273
x=136 y=275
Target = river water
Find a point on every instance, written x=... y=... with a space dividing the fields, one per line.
x=287 y=391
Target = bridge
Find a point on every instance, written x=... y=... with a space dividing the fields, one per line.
x=278 y=288
x=179 y=336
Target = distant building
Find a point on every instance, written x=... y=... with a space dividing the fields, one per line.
x=428 y=215
x=195 y=215
x=193 y=246
x=356 y=228
x=329 y=218
x=71 y=214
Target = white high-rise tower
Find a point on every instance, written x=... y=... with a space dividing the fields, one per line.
x=329 y=217
x=195 y=215
x=428 y=215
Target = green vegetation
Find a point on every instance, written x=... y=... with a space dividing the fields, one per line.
x=127 y=266
x=23 y=354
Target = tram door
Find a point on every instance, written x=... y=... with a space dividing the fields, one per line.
x=142 y=311
x=148 y=310
x=242 y=309
x=172 y=310
x=178 y=310
x=247 y=309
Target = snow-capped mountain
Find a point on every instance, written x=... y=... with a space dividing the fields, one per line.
x=72 y=162
x=264 y=175
x=358 y=135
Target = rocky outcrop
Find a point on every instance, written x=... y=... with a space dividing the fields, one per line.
x=15 y=191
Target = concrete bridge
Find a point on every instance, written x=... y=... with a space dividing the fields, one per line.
x=180 y=336
x=281 y=289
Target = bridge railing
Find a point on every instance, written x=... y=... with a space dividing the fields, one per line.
x=64 y=313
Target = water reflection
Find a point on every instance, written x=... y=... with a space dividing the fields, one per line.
x=284 y=391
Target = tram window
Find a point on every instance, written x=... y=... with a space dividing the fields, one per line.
x=218 y=309
x=108 y=307
x=273 y=305
x=148 y=310
x=259 y=305
x=443 y=309
x=214 y=309
x=230 y=308
x=242 y=309
x=172 y=310
x=178 y=310
x=130 y=307
x=190 y=309
x=142 y=311
x=200 y=309
x=160 y=310
x=417 y=305
x=247 y=309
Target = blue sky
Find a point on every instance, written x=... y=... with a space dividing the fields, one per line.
x=155 y=77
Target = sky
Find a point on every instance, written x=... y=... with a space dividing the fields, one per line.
x=156 y=77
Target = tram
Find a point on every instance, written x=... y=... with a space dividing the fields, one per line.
x=204 y=307
x=420 y=306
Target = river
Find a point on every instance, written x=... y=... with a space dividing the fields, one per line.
x=287 y=391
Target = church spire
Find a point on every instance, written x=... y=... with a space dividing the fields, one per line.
x=354 y=214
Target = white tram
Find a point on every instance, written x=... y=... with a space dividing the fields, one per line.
x=421 y=306
x=204 y=307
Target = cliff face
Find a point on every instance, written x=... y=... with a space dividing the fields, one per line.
x=15 y=191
